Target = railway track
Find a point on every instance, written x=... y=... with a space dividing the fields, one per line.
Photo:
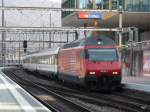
x=115 y=101
x=73 y=105
x=118 y=101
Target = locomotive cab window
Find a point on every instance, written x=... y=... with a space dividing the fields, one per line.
x=102 y=54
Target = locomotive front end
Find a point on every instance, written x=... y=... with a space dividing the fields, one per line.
x=103 y=68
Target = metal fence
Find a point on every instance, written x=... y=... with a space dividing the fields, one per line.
x=14 y=44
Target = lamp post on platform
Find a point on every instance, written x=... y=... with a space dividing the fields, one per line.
x=3 y=35
x=120 y=25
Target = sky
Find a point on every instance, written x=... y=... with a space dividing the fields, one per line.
x=32 y=2
x=32 y=18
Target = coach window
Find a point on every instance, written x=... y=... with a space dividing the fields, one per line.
x=46 y=60
x=28 y=60
x=24 y=61
x=55 y=59
x=49 y=60
x=52 y=59
x=38 y=60
x=33 y=60
x=43 y=60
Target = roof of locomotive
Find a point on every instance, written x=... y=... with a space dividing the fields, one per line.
x=100 y=40
x=43 y=53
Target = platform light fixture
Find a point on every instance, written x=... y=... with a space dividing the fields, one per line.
x=115 y=73
x=92 y=73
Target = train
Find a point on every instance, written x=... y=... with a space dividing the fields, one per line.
x=92 y=62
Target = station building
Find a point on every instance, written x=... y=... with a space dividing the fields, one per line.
x=136 y=16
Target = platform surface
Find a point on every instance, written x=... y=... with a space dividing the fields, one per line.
x=141 y=83
x=13 y=98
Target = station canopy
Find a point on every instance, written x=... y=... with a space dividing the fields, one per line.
x=108 y=19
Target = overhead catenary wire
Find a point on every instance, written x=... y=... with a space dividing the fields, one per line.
x=47 y=29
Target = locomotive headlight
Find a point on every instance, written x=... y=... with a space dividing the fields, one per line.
x=92 y=73
x=115 y=73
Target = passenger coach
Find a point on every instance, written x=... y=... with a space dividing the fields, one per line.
x=45 y=62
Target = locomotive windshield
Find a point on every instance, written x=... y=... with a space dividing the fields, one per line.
x=102 y=54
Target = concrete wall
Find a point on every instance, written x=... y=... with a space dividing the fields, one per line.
x=145 y=36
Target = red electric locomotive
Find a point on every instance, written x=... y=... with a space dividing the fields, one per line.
x=92 y=61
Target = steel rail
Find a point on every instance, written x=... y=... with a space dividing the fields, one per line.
x=136 y=99
x=82 y=108
x=127 y=106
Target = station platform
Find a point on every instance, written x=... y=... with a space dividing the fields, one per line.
x=141 y=83
x=13 y=98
